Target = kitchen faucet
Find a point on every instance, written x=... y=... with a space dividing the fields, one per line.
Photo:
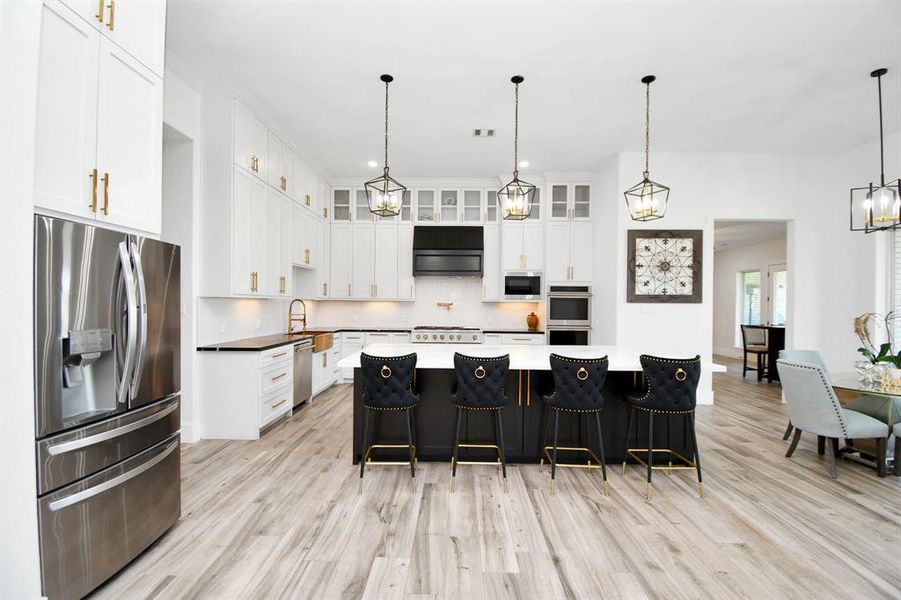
x=292 y=318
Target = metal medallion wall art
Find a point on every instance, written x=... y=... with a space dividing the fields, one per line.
x=664 y=266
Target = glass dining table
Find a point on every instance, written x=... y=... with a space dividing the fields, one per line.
x=873 y=399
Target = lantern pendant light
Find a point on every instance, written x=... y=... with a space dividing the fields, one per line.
x=647 y=199
x=877 y=208
x=515 y=198
x=384 y=194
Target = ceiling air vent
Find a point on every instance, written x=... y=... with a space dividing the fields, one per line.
x=483 y=133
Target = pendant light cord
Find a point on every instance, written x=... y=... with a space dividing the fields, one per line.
x=647 y=129
x=386 y=126
x=516 y=132
x=881 y=143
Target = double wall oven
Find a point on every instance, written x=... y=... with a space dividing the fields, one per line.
x=569 y=315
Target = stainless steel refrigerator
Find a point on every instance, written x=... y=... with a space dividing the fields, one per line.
x=107 y=391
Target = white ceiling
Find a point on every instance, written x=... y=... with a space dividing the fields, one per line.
x=734 y=234
x=732 y=76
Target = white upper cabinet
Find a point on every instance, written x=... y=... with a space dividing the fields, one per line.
x=129 y=140
x=449 y=206
x=298 y=234
x=323 y=271
x=98 y=141
x=425 y=206
x=279 y=163
x=361 y=207
x=279 y=245
x=533 y=246
x=248 y=242
x=511 y=247
x=558 y=262
x=582 y=251
x=340 y=275
x=250 y=142
x=472 y=210
x=522 y=245
x=363 y=264
x=66 y=140
x=570 y=201
x=138 y=26
x=491 y=263
x=405 y=281
x=341 y=208
x=385 y=277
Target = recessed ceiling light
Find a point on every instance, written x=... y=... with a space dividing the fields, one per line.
x=372 y=164
x=523 y=164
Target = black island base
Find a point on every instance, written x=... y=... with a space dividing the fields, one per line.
x=522 y=421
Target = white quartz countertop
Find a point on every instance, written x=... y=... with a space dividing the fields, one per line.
x=525 y=357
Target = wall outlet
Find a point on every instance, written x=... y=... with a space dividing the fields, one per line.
x=259 y=323
x=221 y=326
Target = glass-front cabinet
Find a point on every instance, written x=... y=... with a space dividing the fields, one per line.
x=450 y=206
x=425 y=206
x=472 y=206
x=341 y=205
x=570 y=201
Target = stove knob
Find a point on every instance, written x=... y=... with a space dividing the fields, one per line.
x=442 y=336
x=474 y=337
x=459 y=337
x=434 y=336
x=418 y=336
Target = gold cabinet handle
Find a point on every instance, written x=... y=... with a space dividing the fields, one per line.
x=93 y=177
x=325 y=289
x=325 y=213
x=277 y=404
x=279 y=376
x=106 y=193
x=99 y=15
x=112 y=14
x=253 y=163
x=306 y=199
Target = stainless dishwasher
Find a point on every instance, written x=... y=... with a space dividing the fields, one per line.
x=303 y=371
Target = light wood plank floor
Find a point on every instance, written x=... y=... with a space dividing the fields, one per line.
x=281 y=518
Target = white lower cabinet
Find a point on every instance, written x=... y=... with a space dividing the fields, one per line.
x=378 y=337
x=491 y=339
x=244 y=392
x=324 y=369
x=526 y=339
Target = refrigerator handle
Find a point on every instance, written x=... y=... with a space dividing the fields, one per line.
x=130 y=325
x=142 y=319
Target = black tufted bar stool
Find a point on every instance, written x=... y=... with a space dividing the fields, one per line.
x=578 y=389
x=388 y=386
x=480 y=386
x=671 y=391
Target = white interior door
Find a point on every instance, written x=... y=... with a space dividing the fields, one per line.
x=66 y=137
x=129 y=140
x=340 y=274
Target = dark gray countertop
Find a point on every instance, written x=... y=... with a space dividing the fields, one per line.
x=267 y=342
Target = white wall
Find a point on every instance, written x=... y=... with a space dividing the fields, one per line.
x=226 y=319
x=182 y=180
x=834 y=274
x=726 y=264
x=607 y=199
x=19 y=42
x=464 y=292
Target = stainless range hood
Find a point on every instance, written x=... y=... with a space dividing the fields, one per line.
x=453 y=251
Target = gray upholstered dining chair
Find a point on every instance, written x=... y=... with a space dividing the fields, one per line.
x=803 y=356
x=814 y=408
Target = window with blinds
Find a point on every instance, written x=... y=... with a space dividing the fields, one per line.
x=750 y=297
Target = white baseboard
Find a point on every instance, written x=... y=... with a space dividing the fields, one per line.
x=188 y=433
x=731 y=352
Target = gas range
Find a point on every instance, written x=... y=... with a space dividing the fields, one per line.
x=446 y=335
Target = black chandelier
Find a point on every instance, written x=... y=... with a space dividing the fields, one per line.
x=515 y=198
x=384 y=194
x=647 y=199
x=877 y=208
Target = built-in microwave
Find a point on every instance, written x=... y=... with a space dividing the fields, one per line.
x=522 y=285
x=569 y=306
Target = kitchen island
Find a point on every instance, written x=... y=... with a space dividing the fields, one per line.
x=529 y=379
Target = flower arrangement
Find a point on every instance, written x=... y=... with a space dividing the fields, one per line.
x=884 y=353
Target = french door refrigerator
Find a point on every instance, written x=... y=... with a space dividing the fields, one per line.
x=107 y=391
